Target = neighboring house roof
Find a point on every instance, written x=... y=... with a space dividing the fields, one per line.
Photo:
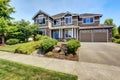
x=89 y=14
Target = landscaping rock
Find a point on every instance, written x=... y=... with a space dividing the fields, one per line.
x=57 y=49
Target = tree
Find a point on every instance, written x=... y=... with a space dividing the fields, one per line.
x=5 y=11
x=3 y=29
x=119 y=29
x=34 y=30
x=114 y=31
x=22 y=30
x=110 y=22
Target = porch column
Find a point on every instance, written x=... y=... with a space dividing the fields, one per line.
x=59 y=34
x=72 y=33
x=50 y=34
x=78 y=34
x=75 y=33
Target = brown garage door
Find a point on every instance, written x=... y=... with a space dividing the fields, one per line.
x=100 y=35
x=85 y=35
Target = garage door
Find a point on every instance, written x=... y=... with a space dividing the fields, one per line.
x=85 y=35
x=100 y=35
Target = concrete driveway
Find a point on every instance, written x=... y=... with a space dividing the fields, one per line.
x=100 y=53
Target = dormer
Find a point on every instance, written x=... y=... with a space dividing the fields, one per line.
x=67 y=18
x=88 y=19
x=42 y=19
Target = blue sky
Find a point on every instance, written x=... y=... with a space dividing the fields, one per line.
x=26 y=9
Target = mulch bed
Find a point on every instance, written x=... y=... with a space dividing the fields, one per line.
x=2 y=44
x=62 y=56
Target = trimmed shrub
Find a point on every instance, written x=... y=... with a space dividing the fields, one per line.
x=73 y=45
x=37 y=44
x=12 y=41
x=28 y=48
x=70 y=56
x=49 y=54
x=45 y=37
x=113 y=39
x=48 y=44
x=117 y=36
x=38 y=37
x=24 y=50
x=118 y=41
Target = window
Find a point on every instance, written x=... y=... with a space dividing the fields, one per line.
x=42 y=32
x=68 y=33
x=88 y=20
x=68 y=20
x=41 y=19
x=57 y=22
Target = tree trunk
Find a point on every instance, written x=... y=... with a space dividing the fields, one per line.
x=3 y=39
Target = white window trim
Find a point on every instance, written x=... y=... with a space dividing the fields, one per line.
x=89 y=19
x=65 y=33
x=65 y=20
x=43 y=17
x=44 y=30
x=57 y=24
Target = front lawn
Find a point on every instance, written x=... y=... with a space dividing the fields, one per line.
x=9 y=48
x=29 y=46
x=15 y=71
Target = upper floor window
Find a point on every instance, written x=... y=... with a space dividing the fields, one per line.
x=57 y=22
x=68 y=20
x=87 y=20
x=41 y=19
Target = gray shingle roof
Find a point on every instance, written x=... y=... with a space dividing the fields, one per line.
x=90 y=14
x=60 y=15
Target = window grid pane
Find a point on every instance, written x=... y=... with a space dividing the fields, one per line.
x=88 y=20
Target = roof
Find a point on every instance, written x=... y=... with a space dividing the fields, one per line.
x=40 y=11
x=101 y=26
x=90 y=14
x=61 y=15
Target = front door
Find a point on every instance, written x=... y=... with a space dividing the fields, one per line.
x=56 y=34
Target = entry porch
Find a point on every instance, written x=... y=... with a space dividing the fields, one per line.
x=66 y=33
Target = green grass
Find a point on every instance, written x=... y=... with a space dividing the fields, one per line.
x=15 y=71
x=12 y=48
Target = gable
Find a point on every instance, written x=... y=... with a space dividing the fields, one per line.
x=40 y=13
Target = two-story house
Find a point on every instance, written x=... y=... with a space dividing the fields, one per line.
x=84 y=27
